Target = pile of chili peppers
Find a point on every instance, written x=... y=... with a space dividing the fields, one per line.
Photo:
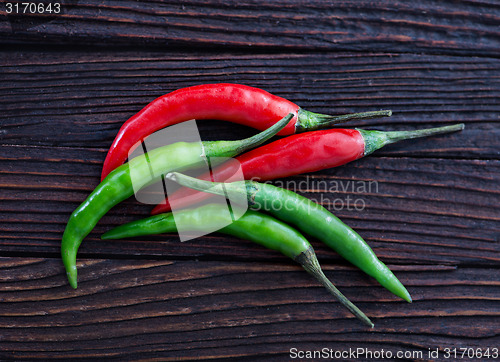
x=284 y=229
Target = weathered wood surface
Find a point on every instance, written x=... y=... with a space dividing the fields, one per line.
x=86 y=96
x=433 y=215
x=447 y=26
x=417 y=209
x=175 y=309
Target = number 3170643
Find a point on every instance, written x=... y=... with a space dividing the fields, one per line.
x=33 y=8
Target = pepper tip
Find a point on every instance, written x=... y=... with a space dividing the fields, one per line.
x=73 y=284
x=72 y=278
x=406 y=296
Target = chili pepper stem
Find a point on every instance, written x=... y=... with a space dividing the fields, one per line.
x=378 y=139
x=233 y=148
x=310 y=263
x=308 y=121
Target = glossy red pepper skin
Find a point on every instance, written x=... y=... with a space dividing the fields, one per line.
x=236 y=103
x=293 y=155
x=226 y=102
x=302 y=153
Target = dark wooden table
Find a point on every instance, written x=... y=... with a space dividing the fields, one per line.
x=67 y=83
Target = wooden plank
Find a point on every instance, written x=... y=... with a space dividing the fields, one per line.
x=411 y=210
x=80 y=99
x=163 y=309
x=465 y=27
x=430 y=211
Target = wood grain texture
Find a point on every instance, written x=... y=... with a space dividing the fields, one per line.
x=411 y=209
x=460 y=27
x=429 y=207
x=84 y=97
x=163 y=309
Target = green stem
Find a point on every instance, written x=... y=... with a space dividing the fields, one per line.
x=310 y=263
x=308 y=121
x=378 y=139
x=196 y=184
x=233 y=148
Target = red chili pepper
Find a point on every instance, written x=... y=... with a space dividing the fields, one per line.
x=297 y=154
x=236 y=103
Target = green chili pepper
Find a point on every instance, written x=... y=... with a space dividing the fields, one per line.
x=254 y=226
x=117 y=186
x=310 y=218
